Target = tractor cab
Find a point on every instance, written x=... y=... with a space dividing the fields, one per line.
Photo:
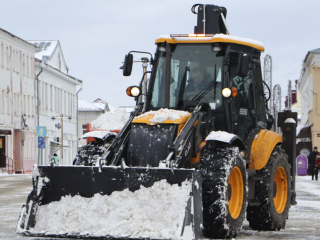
x=219 y=71
x=210 y=67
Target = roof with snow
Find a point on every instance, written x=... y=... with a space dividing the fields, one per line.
x=99 y=100
x=316 y=51
x=50 y=52
x=86 y=106
x=45 y=48
x=14 y=36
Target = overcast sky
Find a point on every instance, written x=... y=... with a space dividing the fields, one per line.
x=95 y=35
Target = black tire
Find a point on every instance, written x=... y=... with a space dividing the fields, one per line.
x=222 y=218
x=273 y=210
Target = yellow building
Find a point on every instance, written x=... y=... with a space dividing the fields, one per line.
x=309 y=87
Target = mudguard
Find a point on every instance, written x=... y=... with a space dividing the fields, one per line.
x=262 y=147
x=225 y=137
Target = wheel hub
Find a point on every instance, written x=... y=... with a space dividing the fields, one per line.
x=235 y=192
x=280 y=190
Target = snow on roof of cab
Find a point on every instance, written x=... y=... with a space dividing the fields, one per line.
x=215 y=38
x=44 y=48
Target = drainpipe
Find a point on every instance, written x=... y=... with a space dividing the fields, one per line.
x=77 y=117
x=38 y=119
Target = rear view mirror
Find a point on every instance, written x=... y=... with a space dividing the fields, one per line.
x=244 y=65
x=127 y=65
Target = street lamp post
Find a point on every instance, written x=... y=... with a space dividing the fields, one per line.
x=61 y=138
x=53 y=118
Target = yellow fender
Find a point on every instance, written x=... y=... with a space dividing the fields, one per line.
x=262 y=147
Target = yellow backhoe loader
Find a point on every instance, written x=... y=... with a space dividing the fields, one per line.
x=201 y=119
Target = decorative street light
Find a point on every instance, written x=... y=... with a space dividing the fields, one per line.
x=61 y=116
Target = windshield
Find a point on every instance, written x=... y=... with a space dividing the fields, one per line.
x=194 y=67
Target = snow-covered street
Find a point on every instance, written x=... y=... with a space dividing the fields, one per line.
x=303 y=222
x=304 y=218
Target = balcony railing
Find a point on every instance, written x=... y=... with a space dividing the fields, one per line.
x=9 y=165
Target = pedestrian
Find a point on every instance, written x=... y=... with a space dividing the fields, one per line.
x=312 y=163
x=56 y=159
x=317 y=165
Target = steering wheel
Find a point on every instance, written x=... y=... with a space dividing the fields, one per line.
x=188 y=104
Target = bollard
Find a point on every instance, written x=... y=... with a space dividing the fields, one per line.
x=287 y=121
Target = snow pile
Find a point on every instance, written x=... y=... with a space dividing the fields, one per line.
x=164 y=114
x=155 y=212
x=220 y=136
x=98 y=134
x=111 y=120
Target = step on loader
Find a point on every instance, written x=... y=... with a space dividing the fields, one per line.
x=200 y=125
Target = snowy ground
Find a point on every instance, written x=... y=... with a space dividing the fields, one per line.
x=303 y=222
x=14 y=190
x=304 y=218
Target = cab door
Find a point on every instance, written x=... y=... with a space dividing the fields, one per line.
x=243 y=112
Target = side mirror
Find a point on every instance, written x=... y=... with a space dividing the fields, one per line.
x=244 y=65
x=127 y=65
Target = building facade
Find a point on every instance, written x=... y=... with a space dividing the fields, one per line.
x=17 y=103
x=309 y=87
x=57 y=104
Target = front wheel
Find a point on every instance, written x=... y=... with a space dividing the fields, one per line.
x=272 y=193
x=224 y=192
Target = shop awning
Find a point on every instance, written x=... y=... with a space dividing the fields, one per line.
x=57 y=144
x=5 y=132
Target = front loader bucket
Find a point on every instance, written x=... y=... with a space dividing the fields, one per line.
x=113 y=202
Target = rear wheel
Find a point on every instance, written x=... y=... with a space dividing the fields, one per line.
x=273 y=194
x=224 y=192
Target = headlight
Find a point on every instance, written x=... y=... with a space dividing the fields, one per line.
x=133 y=91
x=226 y=92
